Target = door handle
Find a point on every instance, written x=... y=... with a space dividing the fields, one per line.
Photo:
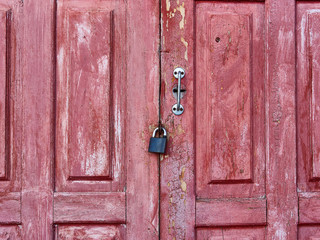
x=178 y=73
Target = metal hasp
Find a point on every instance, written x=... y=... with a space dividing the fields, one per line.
x=178 y=73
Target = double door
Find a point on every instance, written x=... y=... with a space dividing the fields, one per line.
x=85 y=83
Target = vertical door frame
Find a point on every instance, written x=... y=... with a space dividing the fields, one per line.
x=37 y=119
x=281 y=170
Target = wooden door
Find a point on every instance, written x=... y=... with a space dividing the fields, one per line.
x=79 y=99
x=76 y=113
x=230 y=172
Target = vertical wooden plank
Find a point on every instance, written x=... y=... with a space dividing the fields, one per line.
x=142 y=118
x=281 y=124
x=177 y=167
x=37 y=119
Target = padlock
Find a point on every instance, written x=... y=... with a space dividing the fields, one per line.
x=158 y=144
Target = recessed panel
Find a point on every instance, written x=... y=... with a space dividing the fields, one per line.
x=86 y=61
x=230 y=148
x=229 y=96
x=10 y=232
x=90 y=95
x=313 y=37
x=309 y=233
x=89 y=232
x=5 y=22
x=251 y=233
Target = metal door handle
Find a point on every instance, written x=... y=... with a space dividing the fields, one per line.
x=178 y=73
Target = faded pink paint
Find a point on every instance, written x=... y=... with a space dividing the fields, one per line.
x=73 y=139
x=230 y=112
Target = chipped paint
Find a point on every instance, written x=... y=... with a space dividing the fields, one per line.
x=186 y=45
x=182 y=11
x=168 y=5
x=183 y=183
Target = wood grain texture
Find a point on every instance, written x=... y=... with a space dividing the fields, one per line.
x=228 y=97
x=232 y=234
x=37 y=121
x=89 y=208
x=91 y=73
x=10 y=95
x=309 y=233
x=87 y=37
x=231 y=212
x=177 y=197
x=307 y=96
x=10 y=208
x=69 y=232
x=282 y=199
x=309 y=210
x=10 y=232
x=230 y=143
x=142 y=117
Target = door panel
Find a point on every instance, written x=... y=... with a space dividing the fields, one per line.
x=230 y=134
x=308 y=23
x=89 y=118
x=70 y=232
x=10 y=120
x=79 y=100
x=90 y=96
x=235 y=141
x=231 y=234
x=65 y=115
x=9 y=115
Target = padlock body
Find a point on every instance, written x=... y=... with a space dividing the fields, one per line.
x=157 y=145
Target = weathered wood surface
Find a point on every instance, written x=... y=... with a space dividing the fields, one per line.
x=229 y=99
x=177 y=197
x=282 y=201
x=10 y=95
x=68 y=232
x=90 y=96
x=142 y=117
x=231 y=212
x=89 y=208
x=37 y=128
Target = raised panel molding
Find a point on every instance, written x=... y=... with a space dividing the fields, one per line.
x=313 y=56
x=90 y=96
x=89 y=208
x=10 y=232
x=229 y=233
x=229 y=97
x=5 y=73
x=230 y=212
x=65 y=232
x=10 y=208
x=230 y=118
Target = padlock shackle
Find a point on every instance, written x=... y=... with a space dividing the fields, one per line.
x=157 y=129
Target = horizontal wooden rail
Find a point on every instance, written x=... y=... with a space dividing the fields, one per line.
x=230 y=212
x=10 y=208
x=89 y=208
x=309 y=210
